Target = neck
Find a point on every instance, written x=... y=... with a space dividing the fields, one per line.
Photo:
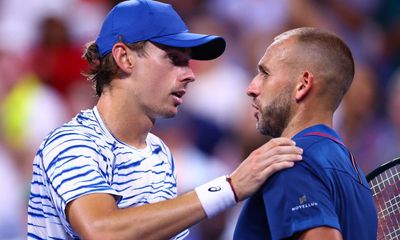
x=304 y=119
x=123 y=120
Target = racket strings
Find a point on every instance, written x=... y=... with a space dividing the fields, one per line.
x=386 y=191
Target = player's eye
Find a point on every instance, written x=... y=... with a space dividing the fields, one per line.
x=178 y=60
x=263 y=72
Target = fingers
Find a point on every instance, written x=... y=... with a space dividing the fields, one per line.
x=282 y=153
x=279 y=149
x=276 y=143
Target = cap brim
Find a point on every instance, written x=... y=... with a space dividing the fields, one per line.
x=204 y=47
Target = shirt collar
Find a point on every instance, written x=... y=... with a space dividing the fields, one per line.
x=319 y=128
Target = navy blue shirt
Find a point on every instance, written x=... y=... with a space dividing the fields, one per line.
x=325 y=189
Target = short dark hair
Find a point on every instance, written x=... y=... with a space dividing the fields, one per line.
x=332 y=56
x=103 y=70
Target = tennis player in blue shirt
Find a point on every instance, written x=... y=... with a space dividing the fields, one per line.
x=302 y=78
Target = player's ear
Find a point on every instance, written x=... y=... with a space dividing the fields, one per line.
x=123 y=57
x=304 y=85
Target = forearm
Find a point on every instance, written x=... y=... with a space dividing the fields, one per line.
x=161 y=220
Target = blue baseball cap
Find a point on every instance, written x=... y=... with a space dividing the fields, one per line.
x=139 y=20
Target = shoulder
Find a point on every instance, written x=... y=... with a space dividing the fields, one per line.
x=321 y=151
x=322 y=158
x=79 y=128
x=81 y=134
x=311 y=142
x=320 y=155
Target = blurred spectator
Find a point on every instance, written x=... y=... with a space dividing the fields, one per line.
x=388 y=17
x=357 y=119
x=389 y=142
x=29 y=112
x=55 y=59
x=58 y=63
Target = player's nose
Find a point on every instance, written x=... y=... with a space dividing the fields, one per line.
x=188 y=75
x=253 y=89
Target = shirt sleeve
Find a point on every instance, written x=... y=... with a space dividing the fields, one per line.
x=298 y=199
x=74 y=167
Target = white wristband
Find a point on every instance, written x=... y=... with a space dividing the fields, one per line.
x=215 y=196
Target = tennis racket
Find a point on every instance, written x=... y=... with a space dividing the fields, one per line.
x=384 y=182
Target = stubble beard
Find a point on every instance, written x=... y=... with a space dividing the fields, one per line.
x=275 y=117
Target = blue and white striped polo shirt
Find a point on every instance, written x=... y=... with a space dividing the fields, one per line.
x=82 y=157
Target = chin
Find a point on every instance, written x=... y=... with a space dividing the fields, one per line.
x=169 y=114
x=269 y=130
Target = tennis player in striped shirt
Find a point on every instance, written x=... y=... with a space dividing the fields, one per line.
x=103 y=175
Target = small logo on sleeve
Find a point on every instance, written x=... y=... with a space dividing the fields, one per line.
x=303 y=204
x=214 y=189
x=302 y=199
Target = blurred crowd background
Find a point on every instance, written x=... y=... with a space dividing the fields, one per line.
x=41 y=43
